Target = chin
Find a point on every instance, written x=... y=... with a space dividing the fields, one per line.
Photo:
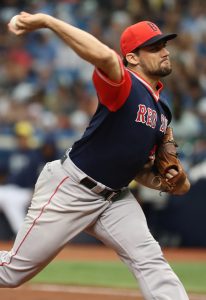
x=166 y=72
x=161 y=72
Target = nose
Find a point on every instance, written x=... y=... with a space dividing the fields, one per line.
x=165 y=51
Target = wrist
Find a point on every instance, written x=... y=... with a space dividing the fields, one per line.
x=47 y=21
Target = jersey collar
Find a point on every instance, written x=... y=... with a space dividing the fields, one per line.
x=155 y=93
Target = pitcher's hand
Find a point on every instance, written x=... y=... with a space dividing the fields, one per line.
x=26 y=22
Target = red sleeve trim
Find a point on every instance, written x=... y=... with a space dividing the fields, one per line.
x=112 y=94
x=106 y=79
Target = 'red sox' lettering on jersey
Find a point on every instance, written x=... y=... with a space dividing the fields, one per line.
x=148 y=116
x=151 y=117
x=141 y=114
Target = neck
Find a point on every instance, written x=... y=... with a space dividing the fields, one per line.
x=149 y=79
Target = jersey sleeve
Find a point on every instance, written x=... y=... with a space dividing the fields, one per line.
x=111 y=94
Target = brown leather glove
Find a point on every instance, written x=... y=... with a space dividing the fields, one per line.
x=166 y=159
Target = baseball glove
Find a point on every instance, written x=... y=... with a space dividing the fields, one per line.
x=166 y=158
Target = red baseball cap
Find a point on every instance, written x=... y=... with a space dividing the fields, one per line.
x=142 y=34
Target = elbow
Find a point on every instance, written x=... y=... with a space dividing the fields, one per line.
x=105 y=58
x=106 y=54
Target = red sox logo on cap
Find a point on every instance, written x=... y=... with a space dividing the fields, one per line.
x=153 y=26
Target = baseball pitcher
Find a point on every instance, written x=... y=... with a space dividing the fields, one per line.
x=128 y=137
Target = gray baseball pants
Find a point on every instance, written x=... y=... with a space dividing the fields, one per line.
x=62 y=207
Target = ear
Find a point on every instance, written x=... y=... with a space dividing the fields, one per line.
x=132 y=58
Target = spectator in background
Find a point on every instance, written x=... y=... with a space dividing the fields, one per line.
x=21 y=170
x=15 y=193
x=48 y=151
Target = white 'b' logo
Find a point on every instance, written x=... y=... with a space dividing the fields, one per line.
x=153 y=26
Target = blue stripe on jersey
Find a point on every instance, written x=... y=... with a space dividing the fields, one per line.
x=116 y=145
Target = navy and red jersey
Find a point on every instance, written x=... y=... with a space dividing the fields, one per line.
x=129 y=123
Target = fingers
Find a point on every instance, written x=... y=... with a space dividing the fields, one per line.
x=29 y=22
x=171 y=173
x=15 y=31
x=15 y=25
x=23 y=24
x=23 y=13
x=150 y=162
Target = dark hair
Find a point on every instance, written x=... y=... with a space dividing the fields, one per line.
x=136 y=50
x=125 y=62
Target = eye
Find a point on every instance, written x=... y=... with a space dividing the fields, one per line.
x=157 y=47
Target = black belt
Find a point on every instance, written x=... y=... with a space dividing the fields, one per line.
x=106 y=193
x=90 y=184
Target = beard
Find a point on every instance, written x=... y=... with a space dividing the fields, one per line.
x=162 y=71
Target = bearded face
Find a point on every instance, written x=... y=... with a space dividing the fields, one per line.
x=154 y=61
x=156 y=68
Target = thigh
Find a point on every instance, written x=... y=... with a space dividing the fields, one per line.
x=123 y=227
x=59 y=210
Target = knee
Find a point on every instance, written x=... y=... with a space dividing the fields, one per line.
x=153 y=254
x=148 y=254
x=11 y=282
x=12 y=285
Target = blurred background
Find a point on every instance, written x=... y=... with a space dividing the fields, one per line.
x=47 y=99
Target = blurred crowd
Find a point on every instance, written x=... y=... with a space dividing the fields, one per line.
x=46 y=90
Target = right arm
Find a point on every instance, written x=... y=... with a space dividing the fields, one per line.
x=84 y=44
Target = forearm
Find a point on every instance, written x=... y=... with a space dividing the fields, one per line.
x=149 y=179
x=83 y=43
